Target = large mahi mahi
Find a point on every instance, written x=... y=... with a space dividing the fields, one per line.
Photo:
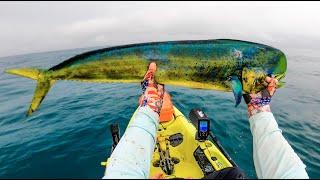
x=223 y=64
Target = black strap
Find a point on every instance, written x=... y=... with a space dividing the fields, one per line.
x=227 y=173
x=247 y=98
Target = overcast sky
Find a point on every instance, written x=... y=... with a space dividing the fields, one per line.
x=27 y=27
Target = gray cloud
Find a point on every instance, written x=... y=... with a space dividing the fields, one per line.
x=44 y=26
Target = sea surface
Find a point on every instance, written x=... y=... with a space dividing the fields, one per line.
x=69 y=135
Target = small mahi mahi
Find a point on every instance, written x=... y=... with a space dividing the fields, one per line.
x=222 y=64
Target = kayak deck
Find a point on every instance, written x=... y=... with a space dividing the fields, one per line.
x=176 y=139
x=178 y=153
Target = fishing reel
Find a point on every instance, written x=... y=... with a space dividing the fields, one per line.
x=201 y=121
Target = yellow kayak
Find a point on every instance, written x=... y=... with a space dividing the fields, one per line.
x=178 y=153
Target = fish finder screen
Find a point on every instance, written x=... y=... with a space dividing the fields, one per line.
x=203 y=126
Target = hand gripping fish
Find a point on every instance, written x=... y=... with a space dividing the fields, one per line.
x=222 y=64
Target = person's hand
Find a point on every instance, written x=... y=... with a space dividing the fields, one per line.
x=260 y=102
x=152 y=93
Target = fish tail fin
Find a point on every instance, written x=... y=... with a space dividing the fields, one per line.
x=42 y=88
x=43 y=85
x=31 y=73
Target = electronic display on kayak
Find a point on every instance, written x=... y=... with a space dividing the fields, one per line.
x=203 y=126
x=203 y=129
x=201 y=121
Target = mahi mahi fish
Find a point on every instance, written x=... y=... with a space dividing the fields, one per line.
x=221 y=64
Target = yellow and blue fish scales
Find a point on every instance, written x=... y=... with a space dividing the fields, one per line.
x=222 y=64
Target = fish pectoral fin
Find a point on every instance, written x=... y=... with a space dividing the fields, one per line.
x=236 y=87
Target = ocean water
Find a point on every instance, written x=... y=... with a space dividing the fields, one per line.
x=69 y=135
